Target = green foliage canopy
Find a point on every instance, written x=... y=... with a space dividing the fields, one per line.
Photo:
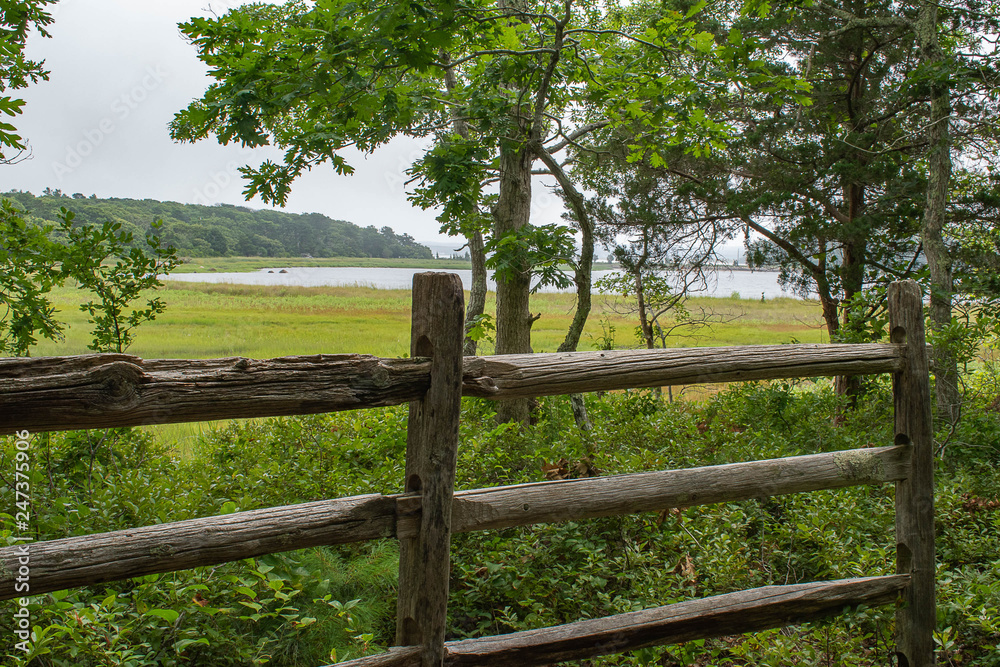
x=316 y=78
x=831 y=184
x=17 y=19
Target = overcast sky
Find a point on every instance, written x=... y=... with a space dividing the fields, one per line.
x=120 y=69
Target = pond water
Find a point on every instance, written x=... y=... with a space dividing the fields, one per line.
x=749 y=284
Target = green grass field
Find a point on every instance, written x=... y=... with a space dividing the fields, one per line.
x=216 y=320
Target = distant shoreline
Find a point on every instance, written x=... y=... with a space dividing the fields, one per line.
x=719 y=281
x=240 y=264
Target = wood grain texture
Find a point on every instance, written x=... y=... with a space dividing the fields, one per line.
x=733 y=613
x=108 y=390
x=572 y=372
x=438 y=332
x=94 y=559
x=567 y=500
x=397 y=656
x=916 y=618
x=75 y=561
x=729 y=614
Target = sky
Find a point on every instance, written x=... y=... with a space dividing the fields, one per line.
x=120 y=69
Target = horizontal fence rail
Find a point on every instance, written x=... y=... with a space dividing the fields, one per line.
x=123 y=554
x=733 y=613
x=111 y=390
x=524 y=375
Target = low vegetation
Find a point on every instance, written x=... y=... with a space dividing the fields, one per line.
x=318 y=606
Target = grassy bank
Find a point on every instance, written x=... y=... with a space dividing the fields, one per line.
x=207 y=320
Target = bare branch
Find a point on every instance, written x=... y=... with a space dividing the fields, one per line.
x=571 y=138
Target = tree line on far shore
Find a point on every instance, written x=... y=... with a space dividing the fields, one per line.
x=226 y=230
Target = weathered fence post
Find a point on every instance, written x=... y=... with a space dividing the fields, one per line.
x=916 y=617
x=438 y=329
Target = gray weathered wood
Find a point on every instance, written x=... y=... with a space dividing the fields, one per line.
x=75 y=561
x=107 y=390
x=729 y=614
x=94 y=559
x=438 y=331
x=572 y=372
x=397 y=656
x=733 y=613
x=916 y=618
x=570 y=500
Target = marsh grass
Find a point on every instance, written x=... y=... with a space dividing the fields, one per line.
x=205 y=320
x=752 y=322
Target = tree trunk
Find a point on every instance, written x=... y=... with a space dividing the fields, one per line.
x=644 y=324
x=512 y=212
x=947 y=397
x=831 y=312
x=852 y=277
x=477 y=251
x=830 y=315
x=583 y=278
x=477 y=295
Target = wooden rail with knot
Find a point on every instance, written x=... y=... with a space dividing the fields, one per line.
x=110 y=390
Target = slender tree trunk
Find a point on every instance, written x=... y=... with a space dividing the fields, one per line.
x=852 y=271
x=947 y=397
x=644 y=324
x=477 y=249
x=645 y=321
x=477 y=295
x=583 y=299
x=852 y=278
x=583 y=278
x=830 y=315
x=829 y=305
x=512 y=212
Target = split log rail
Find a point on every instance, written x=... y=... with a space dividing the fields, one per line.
x=110 y=390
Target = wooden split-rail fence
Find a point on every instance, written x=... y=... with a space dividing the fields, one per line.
x=109 y=390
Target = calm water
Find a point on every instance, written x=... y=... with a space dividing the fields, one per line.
x=750 y=284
